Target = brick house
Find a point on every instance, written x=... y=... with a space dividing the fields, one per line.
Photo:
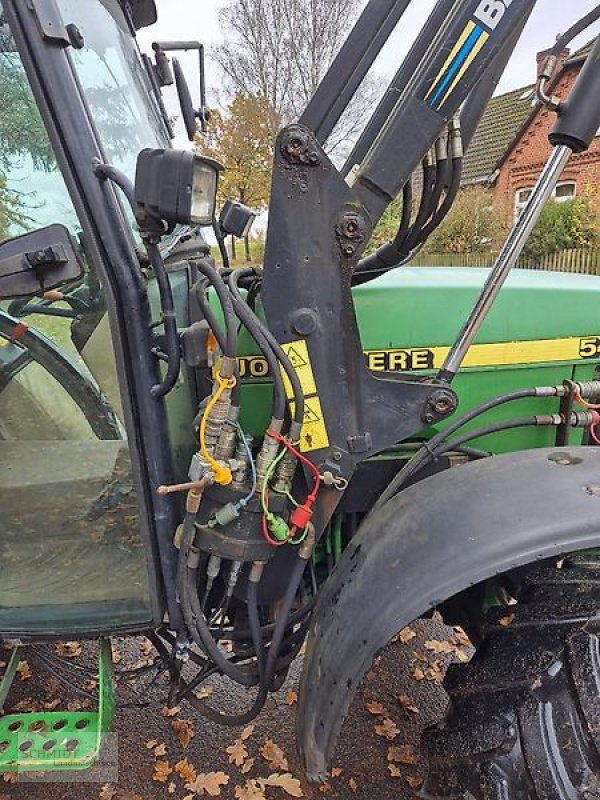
x=516 y=118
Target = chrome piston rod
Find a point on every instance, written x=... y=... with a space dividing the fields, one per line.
x=509 y=255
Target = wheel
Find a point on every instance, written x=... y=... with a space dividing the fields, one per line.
x=524 y=716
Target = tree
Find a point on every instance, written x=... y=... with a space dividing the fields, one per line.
x=569 y=225
x=473 y=225
x=281 y=49
x=241 y=140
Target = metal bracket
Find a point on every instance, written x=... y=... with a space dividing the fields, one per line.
x=50 y=21
x=312 y=249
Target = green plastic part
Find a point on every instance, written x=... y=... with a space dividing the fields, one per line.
x=50 y=741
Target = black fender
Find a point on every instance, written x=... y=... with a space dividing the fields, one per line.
x=433 y=540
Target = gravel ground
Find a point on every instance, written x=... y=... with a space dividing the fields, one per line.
x=362 y=767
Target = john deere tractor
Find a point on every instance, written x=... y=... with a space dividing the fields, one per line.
x=329 y=446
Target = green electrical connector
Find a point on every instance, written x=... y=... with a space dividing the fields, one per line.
x=278 y=528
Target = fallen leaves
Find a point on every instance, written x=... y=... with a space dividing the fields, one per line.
x=287 y=782
x=291 y=697
x=394 y=771
x=506 y=621
x=162 y=770
x=247 y=732
x=406 y=702
x=387 y=729
x=249 y=791
x=68 y=649
x=405 y=636
x=186 y=771
x=352 y=785
x=237 y=752
x=184 y=730
x=107 y=792
x=24 y=670
x=402 y=754
x=377 y=709
x=274 y=755
x=209 y=783
x=170 y=712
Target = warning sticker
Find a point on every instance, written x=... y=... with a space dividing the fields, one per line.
x=314 y=431
x=297 y=352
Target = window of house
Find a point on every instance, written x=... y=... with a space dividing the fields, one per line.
x=562 y=193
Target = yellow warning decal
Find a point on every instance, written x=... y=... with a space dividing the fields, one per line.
x=297 y=352
x=314 y=434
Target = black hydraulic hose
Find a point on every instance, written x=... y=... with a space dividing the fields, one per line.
x=574 y=31
x=250 y=320
x=521 y=422
x=216 y=280
x=169 y=321
x=387 y=255
x=447 y=203
x=234 y=280
x=119 y=178
x=430 y=177
x=421 y=457
x=213 y=324
x=442 y=183
x=221 y=244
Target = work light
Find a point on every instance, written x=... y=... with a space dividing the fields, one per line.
x=175 y=186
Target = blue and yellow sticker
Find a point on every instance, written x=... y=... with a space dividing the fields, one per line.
x=463 y=54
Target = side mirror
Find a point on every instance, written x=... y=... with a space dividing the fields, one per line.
x=37 y=262
x=165 y=76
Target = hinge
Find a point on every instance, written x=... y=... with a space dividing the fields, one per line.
x=50 y=21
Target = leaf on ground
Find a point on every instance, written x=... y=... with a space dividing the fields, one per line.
x=418 y=674
x=204 y=692
x=172 y=787
x=287 y=782
x=402 y=754
x=9 y=777
x=325 y=788
x=208 y=783
x=462 y=656
x=461 y=636
x=249 y=791
x=388 y=729
x=146 y=646
x=245 y=769
x=506 y=621
x=352 y=784
x=440 y=647
x=237 y=753
x=151 y=744
x=419 y=656
x=394 y=771
x=405 y=636
x=68 y=649
x=162 y=770
x=160 y=750
x=274 y=755
x=414 y=782
x=434 y=673
x=291 y=697
x=170 y=712
x=117 y=656
x=377 y=710
x=107 y=792
x=247 y=732
x=24 y=670
x=336 y=772
x=406 y=702
x=186 y=771
x=184 y=730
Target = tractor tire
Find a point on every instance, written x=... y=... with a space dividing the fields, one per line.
x=523 y=721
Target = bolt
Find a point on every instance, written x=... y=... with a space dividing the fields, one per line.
x=314 y=159
x=428 y=418
x=349 y=250
x=351 y=227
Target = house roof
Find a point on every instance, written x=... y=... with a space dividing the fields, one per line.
x=503 y=123
x=504 y=117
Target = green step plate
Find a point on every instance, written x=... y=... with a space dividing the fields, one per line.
x=49 y=741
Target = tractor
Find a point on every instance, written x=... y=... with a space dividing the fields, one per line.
x=233 y=461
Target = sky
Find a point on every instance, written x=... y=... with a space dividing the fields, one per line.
x=198 y=19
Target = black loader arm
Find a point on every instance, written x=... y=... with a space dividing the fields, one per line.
x=426 y=545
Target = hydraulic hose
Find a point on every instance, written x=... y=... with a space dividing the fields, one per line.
x=234 y=281
x=430 y=177
x=422 y=456
x=448 y=201
x=169 y=321
x=215 y=279
x=249 y=320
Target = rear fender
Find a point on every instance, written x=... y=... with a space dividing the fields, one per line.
x=426 y=545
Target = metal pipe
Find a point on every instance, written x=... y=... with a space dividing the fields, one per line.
x=512 y=249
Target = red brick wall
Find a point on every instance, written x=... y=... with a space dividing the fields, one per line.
x=525 y=161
